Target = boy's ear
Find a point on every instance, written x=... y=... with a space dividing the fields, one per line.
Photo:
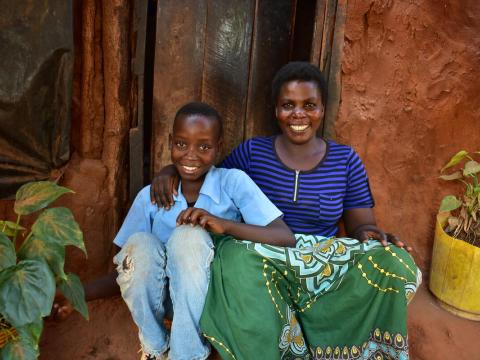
x=170 y=140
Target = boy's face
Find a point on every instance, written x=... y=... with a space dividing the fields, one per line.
x=195 y=143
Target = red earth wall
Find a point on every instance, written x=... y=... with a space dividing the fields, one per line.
x=410 y=101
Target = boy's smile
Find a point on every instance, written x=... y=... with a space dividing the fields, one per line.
x=194 y=145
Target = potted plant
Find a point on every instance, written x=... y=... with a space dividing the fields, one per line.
x=456 y=253
x=30 y=272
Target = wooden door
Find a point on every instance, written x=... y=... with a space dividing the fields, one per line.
x=221 y=52
x=225 y=53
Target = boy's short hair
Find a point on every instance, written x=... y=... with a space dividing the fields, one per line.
x=299 y=71
x=200 y=108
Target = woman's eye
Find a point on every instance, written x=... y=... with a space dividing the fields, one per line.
x=310 y=106
x=287 y=106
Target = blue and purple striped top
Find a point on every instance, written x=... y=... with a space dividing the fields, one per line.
x=312 y=201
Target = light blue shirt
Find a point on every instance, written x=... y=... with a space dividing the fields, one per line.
x=226 y=193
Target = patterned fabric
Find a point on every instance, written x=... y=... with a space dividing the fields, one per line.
x=328 y=298
x=313 y=201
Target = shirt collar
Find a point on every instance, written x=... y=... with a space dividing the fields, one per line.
x=210 y=187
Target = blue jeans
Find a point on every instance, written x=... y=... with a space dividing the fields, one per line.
x=143 y=266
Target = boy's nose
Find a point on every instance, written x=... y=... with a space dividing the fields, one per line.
x=191 y=153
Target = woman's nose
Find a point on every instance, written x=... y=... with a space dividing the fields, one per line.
x=298 y=112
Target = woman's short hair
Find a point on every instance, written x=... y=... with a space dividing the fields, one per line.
x=299 y=71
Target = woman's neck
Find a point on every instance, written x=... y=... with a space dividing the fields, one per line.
x=300 y=156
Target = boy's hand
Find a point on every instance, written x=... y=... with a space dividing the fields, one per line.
x=195 y=216
x=61 y=308
x=164 y=186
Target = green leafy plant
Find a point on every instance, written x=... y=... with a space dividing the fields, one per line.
x=30 y=273
x=464 y=221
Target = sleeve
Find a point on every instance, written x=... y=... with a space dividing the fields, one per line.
x=255 y=207
x=138 y=218
x=358 y=194
x=239 y=158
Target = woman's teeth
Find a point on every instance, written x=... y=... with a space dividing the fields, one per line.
x=299 y=127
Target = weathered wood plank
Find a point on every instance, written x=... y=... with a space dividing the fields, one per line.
x=226 y=63
x=180 y=38
x=136 y=138
x=327 y=37
x=270 y=50
x=318 y=29
x=334 y=77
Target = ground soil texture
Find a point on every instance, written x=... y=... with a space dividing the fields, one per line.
x=434 y=334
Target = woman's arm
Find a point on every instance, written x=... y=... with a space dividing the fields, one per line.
x=275 y=233
x=360 y=224
x=164 y=186
x=165 y=183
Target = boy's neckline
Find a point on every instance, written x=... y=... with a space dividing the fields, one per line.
x=210 y=187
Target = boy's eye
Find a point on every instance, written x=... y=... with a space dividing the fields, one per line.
x=205 y=147
x=287 y=106
x=310 y=106
x=180 y=144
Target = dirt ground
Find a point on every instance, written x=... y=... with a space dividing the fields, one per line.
x=111 y=335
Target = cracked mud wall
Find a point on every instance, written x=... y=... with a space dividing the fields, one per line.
x=410 y=100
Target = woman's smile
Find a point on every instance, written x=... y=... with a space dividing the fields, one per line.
x=299 y=111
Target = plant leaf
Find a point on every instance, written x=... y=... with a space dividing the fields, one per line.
x=26 y=292
x=73 y=290
x=450 y=203
x=453 y=176
x=33 y=330
x=455 y=159
x=7 y=252
x=471 y=167
x=37 y=195
x=21 y=349
x=9 y=227
x=46 y=249
x=58 y=224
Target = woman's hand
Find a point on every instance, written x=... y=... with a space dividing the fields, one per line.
x=366 y=232
x=164 y=186
x=360 y=224
x=195 y=216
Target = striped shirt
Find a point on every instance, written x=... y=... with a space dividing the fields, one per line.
x=312 y=201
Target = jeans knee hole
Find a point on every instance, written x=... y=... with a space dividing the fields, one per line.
x=127 y=265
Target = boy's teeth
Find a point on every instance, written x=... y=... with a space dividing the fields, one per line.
x=298 y=127
x=190 y=168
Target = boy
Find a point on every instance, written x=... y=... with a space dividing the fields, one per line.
x=160 y=247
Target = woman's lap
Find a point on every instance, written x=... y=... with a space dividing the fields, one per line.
x=325 y=296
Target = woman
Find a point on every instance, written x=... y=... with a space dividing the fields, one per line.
x=327 y=298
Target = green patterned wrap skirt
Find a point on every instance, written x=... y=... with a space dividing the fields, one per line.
x=327 y=298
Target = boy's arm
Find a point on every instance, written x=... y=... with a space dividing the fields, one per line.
x=275 y=233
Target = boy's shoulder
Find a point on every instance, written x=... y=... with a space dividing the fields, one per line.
x=228 y=175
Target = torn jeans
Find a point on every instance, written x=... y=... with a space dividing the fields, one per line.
x=144 y=264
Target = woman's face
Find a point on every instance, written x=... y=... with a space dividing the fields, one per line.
x=299 y=111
